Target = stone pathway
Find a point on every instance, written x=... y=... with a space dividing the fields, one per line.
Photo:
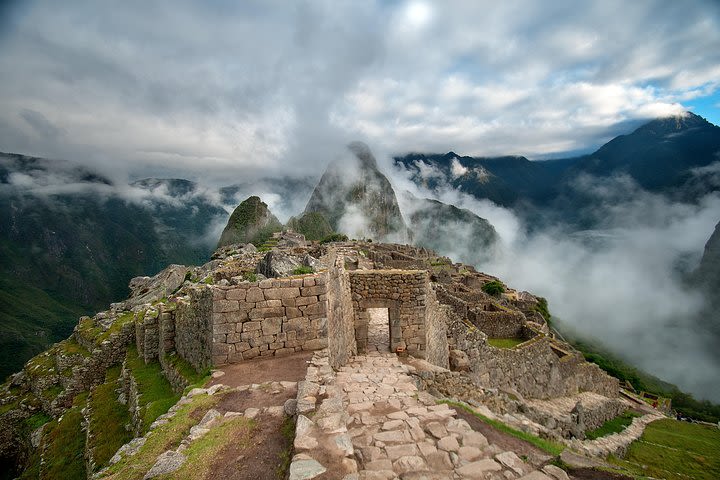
x=375 y=417
x=378 y=330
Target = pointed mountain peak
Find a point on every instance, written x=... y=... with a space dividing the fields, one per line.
x=674 y=124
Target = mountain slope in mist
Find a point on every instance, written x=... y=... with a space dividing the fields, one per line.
x=357 y=199
x=250 y=222
x=449 y=230
x=659 y=156
x=70 y=240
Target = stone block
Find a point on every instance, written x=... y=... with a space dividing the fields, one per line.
x=312 y=291
x=301 y=301
x=258 y=313
x=221 y=306
x=281 y=293
x=271 y=326
x=269 y=303
x=219 y=338
x=235 y=357
x=222 y=349
x=288 y=302
x=242 y=347
x=265 y=284
x=223 y=328
x=254 y=294
x=218 y=360
x=234 y=338
x=251 y=326
x=252 y=353
x=315 y=309
x=238 y=294
x=308 y=282
x=315 y=344
x=292 y=312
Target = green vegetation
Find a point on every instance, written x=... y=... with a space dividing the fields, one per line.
x=504 y=342
x=548 y=446
x=335 y=237
x=209 y=280
x=641 y=381
x=542 y=309
x=36 y=421
x=313 y=225
x=203 y=452
x=108 y=418
x=302 y=270
x=494 y=288
x=65 y=445
x=188 y=372
x=164 y=437
x=674 y=450
x=250 y=276
x=615 y=425
x=288 y=433
x=156 y=393
x=250 y=222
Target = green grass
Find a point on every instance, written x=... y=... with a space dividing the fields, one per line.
x=250 y=276
x=65 y=445
x=108 y=418
x=164 y=437
x=302 y=270
x=288 y=433
x=156 y=393
x=615 y=425
x=71 y=347
x=553 y=448
x=504 y=342
x=674 y=450
x=203 y=452
x=185 y=369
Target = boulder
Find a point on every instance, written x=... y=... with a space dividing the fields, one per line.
x=277 y=264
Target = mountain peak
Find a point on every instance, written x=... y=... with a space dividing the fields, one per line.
x=674 y=124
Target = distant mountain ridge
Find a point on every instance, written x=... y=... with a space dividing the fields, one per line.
x=658 y=155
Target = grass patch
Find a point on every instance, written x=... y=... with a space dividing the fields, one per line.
x=553 y=448
x=71 y=347
x=250 y=277
x=335 y=237
x=156 y=393
x=108 y=418
x=288 y=433
x=615 y=425
x=504 y=342
x=164 y=437
x=674 y=450
x=185 y=369
x=36 y=421
x=302 y=270
x=202 y=453
x=65 y=445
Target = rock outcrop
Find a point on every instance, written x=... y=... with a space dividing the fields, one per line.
x=251 y=222
x=357 y=199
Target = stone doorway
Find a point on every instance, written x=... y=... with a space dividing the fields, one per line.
x=378 y=330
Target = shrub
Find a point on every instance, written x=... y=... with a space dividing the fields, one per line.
x=494 y=288
x=302 y=270
x=335 y=237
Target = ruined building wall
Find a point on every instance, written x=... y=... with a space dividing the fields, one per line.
x=498 y=324
x=270 y=317
x=193 y=327
x=403 y=293
x=340 y=325
x=437 y=317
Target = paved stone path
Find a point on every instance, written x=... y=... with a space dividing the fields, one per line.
x=378 y=330
x=390 y=430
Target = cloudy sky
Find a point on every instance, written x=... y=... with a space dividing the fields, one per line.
x=220 y=89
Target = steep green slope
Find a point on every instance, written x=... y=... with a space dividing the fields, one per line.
x=313 y=225
x=250 y=222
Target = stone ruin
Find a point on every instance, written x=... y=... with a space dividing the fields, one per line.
x=435 y=310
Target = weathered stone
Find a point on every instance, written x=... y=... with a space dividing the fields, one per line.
x=511 y=461
x=478 y=469
x=555 y=472
x=167 y=462
x=305 y=468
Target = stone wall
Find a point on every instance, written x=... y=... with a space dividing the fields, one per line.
x=437 y=317
x=341 y=329
x=270 y=317
x=403 y=293
x=535 y=369
x=193 y=327
x=498 y=324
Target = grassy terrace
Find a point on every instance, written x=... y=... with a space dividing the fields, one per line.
x=65 y=442
x=156 y=393
x=108 y=418
x=548 y=446
x=615 y=425
x=163 y=438
x=674 y=450
x=505 y=342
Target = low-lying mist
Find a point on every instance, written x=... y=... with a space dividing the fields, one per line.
x=623 y=283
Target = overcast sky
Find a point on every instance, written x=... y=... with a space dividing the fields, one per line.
x=218 y=90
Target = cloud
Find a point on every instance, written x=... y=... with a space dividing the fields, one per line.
x=623 y=282
x=257 y=88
